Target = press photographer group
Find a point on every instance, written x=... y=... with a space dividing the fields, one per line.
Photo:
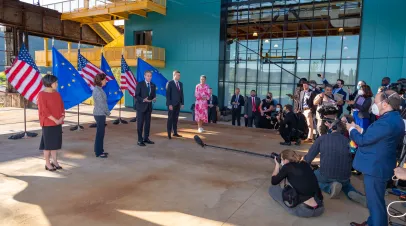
x=354 y=133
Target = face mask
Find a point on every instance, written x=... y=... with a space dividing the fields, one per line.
x=330 y=131
x=268 y=97
x=358 y=87
x=383 y=84
x=360 y=92
x=282 y=162
x=278 y=109
x=375 y=109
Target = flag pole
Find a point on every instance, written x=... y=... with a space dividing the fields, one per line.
x=120 y=120
x=25 y=134
x=135 y=118
x=78 y=127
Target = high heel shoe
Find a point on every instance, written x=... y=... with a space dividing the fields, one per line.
x=56 y=167
x=52 y=169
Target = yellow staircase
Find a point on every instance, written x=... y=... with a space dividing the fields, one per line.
x=109 y=33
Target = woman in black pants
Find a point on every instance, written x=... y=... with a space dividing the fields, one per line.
x=100 y=112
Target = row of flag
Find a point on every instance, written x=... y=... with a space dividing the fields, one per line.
x=75 y=86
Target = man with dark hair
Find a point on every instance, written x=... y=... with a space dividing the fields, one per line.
x=385 y=82
x=175 y=102
x=307 y=108
x=237 y=101
x=376 y=154
x=337 y=89
x=212 y=103
x=288 y=125
x=335 y=163
x=251 y=109
x=145 y=94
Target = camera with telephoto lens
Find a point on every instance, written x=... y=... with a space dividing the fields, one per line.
x=399 y=86
x=276 y=156
x=328 y=110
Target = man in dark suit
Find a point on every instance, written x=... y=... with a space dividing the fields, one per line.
x=251 y=109
x=307 y=108
x=145 y=94
x=237 y=101
x=287 y=124
x=337 y=89
x=213 y=103
x=175 y=102
x=376 y=154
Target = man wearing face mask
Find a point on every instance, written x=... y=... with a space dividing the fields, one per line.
x=385 y=82
x=376 y=155
x=337 y=89
x=287 y=124
x=353 y=95
x=267 y=107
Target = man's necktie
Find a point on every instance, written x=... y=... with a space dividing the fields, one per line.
x=149 y=89
x=254 y=107
x=236 y=101
x=177 y=85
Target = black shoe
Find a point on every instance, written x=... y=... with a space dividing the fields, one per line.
x=298 y=142
x=50 y=169
x=148 y=141
x=140 y=143
x=169 y=136
x=286 y=143
x=56 y=167
x=176 y=135
x=102 y=155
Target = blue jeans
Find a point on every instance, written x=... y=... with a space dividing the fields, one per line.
x=325 y=184
x=99 y=141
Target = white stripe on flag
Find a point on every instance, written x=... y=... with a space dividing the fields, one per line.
x=13 y=68
x=27 y=79
x=20 y=74
x=34 y=86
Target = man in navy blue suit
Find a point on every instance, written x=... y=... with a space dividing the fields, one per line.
x=376 y=155
x=337 y=89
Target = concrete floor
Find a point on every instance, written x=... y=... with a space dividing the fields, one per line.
x=173 y=182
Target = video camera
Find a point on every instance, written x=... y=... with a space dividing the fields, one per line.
x=276 y=156
x=399 y=87
x=328 y=110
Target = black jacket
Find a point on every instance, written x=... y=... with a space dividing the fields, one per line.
x=289 y=121
x=309 y=101
x=141 y=92
x=174 y=96
x=215 y=100
x=240 y=101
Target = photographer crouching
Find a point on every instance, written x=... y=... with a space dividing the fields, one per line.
x=288 y=125
x=335 y=163
x=302 y=197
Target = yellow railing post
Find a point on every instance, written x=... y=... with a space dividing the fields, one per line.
x=46 y=51
x=69 y=46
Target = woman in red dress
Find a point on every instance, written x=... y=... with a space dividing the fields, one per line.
x=201 y=108
x=51 y=115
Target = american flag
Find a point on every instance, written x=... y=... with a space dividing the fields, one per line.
x=24 y=76
x=88 y=71
x=128 y=81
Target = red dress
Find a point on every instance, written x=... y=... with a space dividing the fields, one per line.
x=50 y=104
x=201 y=106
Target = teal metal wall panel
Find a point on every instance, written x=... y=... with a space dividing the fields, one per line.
x=190 y=34
x=382 y=42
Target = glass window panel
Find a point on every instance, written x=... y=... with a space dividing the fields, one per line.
x=262 y=90
x=276 y=48
x=332 y=71
x=350 y=46
x=321 y=10
x=228 y=92
x=304 y=48
x=231 y=51
x=302 y=70
x=337 y=9
x=275 y=89
x=336 y=27
x=249 y=87
x=348 y=71
x=263 y=73
x=241 y=70
x=286 y=89
x=353 y=8
x=316 y=67
x=289 y=47
x=334 y=47
x=275 y=76
x=318 y=47
x=252 y=69
x=230 y=71
x=242 y=87
x=288 y=65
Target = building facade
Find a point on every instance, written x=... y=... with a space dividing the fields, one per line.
x=267 y=45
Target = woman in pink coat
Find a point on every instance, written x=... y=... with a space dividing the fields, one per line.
x=201 y=108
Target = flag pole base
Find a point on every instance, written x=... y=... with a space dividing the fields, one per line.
x=119 y=121
x=24 y=135
x=77 y=128
x=134 y=119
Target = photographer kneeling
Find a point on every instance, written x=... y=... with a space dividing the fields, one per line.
x=303 y=196
x=288 y=126
x=335 y=163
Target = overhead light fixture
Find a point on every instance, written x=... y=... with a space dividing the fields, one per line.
x=299 y=58
x=345 y=47
x=340 y=29
x=255 y=34
x=348 y=57
x=266 y=40
x=275 y=46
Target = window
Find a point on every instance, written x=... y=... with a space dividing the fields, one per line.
x=143 y=38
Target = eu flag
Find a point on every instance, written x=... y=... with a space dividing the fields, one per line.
x=72 y=87
x=157 y=78
x=111 y=89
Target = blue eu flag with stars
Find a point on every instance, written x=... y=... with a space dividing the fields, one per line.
x=111 y=89
x=157 y=78
x=72 y=87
